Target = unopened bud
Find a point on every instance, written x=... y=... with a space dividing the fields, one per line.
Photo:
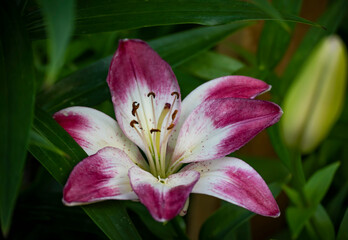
x=315 y=100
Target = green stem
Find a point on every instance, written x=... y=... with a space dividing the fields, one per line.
x=298 y=178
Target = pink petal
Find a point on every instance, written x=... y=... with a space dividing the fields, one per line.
x=135 y=71
x=218 y=127
x=94 y=130
x=224 y=87
x=102 y=176
x=235 y=181
x=164 y=199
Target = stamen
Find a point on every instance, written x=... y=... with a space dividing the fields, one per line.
x=167 y=106
x=174 y=114
x=154 y=130
x=170 y=126
x=176 y=94
x=135 y=107
x=151 y=94
x=133 y=122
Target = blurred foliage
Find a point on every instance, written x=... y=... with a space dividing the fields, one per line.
x=57 y=54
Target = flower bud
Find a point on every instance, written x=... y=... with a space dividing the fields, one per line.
x=315 y=99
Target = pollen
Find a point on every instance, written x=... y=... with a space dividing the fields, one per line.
x=133 y=122
x=154 y=130
x=135 y=107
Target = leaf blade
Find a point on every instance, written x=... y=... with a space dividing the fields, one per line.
x=17 y=100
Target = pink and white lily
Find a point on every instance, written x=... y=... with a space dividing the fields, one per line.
x=185 y=143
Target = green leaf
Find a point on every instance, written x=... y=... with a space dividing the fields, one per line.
x=59 y=19
x=17 y=100
x=319 y=183
x=88 y=87
x=103 y=16
x=160 y=230
x=210 y=65
x=297 y=219
x=275 y=39
x=179 y=47
x=331 y=20
x=343 y=230
x=322 y=224
x=228 y=218
x=110 y=216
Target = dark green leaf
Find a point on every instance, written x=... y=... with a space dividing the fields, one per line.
x=228 y=218
x=110 y=216
x=88 y=87
x=322 y=224
x=59 y=18
x=343 y=230
x=17 y=101
x=275 y=38
x=331 y=20
x=210 y=65
x=103 y=16
x=317 y=186
x=297 y=218
x=162 y=231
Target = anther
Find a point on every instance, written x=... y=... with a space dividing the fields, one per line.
x=154 y=130
x=174 y=114
x=170 y=126
x=176 y=94
x=167 y=106
x=135 y=107
x=133 y=122
x=151 y=94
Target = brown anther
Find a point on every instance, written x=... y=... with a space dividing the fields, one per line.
x=133 y=122
x=151 y=94
x=167 y=106
x=170 y=126
x=174 y=114
x=154 y=130
x=176 y=94
x=135 y=107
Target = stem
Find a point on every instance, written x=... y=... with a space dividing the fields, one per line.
x=298 y=178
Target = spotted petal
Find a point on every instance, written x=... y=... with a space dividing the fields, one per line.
x=102 y=176
x=164 y=198
x=235 y=181
x=94 y=130
x=224 y=87
x=218 y=127
x=136 y=75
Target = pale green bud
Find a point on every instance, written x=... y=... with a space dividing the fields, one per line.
x=315 y=99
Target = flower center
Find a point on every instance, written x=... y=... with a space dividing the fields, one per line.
x=155 y=130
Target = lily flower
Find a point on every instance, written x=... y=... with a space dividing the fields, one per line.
x=184 y=144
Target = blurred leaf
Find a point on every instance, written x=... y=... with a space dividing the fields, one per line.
x=275 y=39
x=322 y=224
x=343 y=230
x=104 y=15
x=297 y=218
x=319 y=183
x=38 y=140
x=210 y=65
x=110 y=216
x=278 y=145
x=162 y=231
x=331 y=20
x=271 y=170
x=268 y=8
x=177 y=48
x=293 y=195
x=337 y=203
x=187 y=82
x=88 y=87
x=228 y=218
x=17 y=101
x=59 y=19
